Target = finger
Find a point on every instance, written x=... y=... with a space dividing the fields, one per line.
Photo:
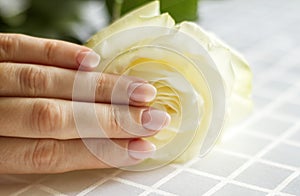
x=51 y=82
x=60 y=119
x=20 y=156
x=26 y=49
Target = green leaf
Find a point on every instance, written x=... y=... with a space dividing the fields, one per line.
x=180 y=10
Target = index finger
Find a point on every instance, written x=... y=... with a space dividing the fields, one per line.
x=27 y=49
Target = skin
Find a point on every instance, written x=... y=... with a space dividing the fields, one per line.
x=38 y=133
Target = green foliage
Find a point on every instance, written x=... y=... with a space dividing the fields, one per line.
x=44 y=18
x=180 y=10
x=56 y=18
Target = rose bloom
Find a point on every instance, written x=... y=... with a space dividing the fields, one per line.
x=201 y=82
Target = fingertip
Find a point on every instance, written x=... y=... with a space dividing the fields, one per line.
x=88 y=59
x=141 y=92
x=141 y=149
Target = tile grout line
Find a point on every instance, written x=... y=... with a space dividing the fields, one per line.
x=98 y=183
x=270 y=137
x=252 y=160
x=279 y=100
x=49 y=190
x=292 y=143
x=284 y=183
x=141 y=186
x=274 y=71
x=10 y=177
x=220 y=178
x=28 y=187
x=241 y=184
x=169 y=176
x=263 y=112
x=261 y=160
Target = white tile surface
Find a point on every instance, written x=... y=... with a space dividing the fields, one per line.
x=295 y=137
x=289 y=109
x=293 y=187
x=115 y=188
x=286 y=154
x=234 y=190
x=270 y=125
x=218 y=163
x=245 y=144
x=263 y=175
x=35 y=191
x=147 y=178
x=188 y=184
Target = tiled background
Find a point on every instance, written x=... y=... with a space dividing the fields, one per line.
x=261 y=156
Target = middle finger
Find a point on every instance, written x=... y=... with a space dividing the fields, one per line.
x=62 y=119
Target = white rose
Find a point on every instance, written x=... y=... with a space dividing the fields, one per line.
x=201 y=82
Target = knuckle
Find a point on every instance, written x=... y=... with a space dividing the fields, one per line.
x=101 y=84
x=47 y=118
x=114 y=121
x=104 y=150
x=50 y=48
x=33 y=80
x=46 y=155
x=110 y=151
x=9 y=43
x=7 y=71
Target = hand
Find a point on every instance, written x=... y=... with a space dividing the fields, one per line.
x=38 y=132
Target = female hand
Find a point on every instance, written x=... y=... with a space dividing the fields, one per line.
x=38 y=132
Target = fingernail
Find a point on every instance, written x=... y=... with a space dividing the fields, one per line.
x=141 y=149
x=141 y=92
x=88 y=59
x=155 y=120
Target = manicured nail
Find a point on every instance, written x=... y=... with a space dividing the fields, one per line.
x=155 y=120
x=141 y=92
x=141 y=149
x=89 y=59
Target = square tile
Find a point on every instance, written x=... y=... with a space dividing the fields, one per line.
x=293 y=187
x=72 y=182
x=235 y=190
x=244 y=143
x=147 y=177
x=296 y=97
x=295 y=137
x=29 y=178
x=263 y=175
x=285 y=154
x=9 y=189
x=187 y=183
x=218 y=163
x=294 y=71
x=115 y=188
x=260 y=102
x=35 y=191
x=289 y=109
x=276 y=87
x=154 y=194
x=10 y=184
x=270 y=125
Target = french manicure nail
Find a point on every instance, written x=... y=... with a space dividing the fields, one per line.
x=141 y=92
x=88 y=59
x=155 y=120
x=141 y=149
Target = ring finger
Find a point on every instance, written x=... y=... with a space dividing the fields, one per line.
x=56 y=156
